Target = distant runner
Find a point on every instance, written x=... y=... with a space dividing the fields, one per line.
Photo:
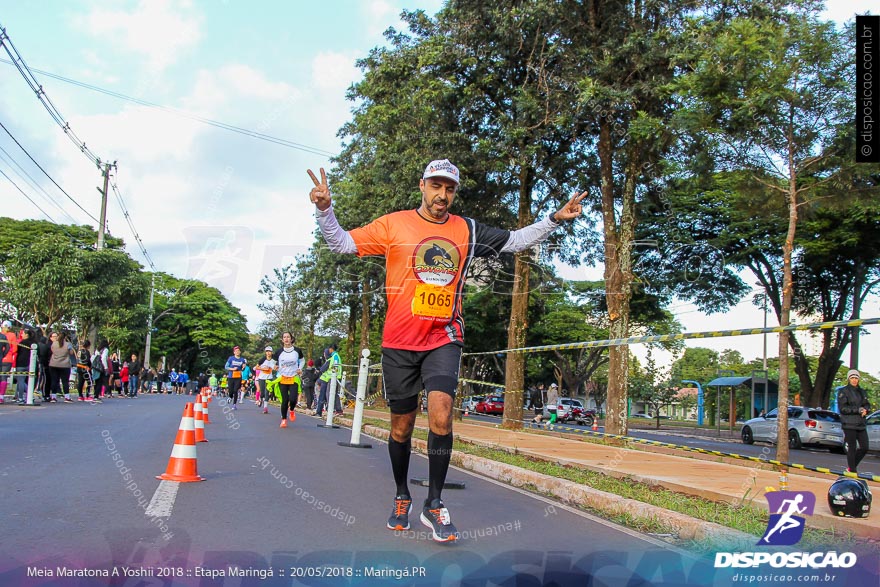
x=234 y=366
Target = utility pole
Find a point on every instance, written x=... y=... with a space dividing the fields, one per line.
x=103 y=206
x=856 y=314
x=150 y=323
x=765 y=333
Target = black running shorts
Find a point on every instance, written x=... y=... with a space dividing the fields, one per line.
x=406 y=373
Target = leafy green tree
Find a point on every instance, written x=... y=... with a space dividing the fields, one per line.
x=653 y=388
x=768 y=93
x=483 y=109
x=196 y=325
x=696 y=364
x=41 y=280
x=615 y=72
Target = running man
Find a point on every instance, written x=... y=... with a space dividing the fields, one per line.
x=786 y=521
x=234 y=365
x=427 y=254
x=265 y=369
x=290 y=364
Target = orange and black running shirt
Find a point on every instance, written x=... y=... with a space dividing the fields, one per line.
x=425 y=266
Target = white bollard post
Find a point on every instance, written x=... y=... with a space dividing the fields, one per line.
x=363 y=373
x=32 y=376
x=331 y=402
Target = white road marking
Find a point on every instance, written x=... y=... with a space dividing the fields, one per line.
x=163 y=500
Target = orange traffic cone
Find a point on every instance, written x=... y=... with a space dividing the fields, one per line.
x=199 y=421
x=182 y=466
x=595 y=425
x=205 y=411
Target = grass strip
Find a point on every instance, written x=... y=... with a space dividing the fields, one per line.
x=742 y=517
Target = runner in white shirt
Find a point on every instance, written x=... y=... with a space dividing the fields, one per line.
x=289 y=368
x=264 y=373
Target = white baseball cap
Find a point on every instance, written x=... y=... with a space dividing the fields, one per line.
x=268 y=348
x=441 y=168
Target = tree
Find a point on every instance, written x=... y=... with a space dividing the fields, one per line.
x=41 y=279
x=55 y=283
x=515 y=152
x=696 y=364
x=196 y=325
x=616 y=68
x=770 y=91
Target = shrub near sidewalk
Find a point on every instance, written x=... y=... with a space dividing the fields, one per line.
x=743 y=517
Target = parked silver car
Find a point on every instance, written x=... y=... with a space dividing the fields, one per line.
x=813 y=426
x=873 y=427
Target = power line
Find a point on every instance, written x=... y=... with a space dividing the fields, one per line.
x=37 y=88
x=69 y=197
x=134 y=232
x=46 y=214
x=183 y=113
x=22 y=173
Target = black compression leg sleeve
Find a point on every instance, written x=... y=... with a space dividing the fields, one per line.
x=439 y=455
x=399 y=453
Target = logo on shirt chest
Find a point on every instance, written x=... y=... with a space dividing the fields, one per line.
x=436 y=261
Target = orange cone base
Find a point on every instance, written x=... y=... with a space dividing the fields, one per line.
x=183 y=470
x=181 y=478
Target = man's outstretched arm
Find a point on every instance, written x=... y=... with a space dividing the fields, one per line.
x=533 y=234
x=338 y=240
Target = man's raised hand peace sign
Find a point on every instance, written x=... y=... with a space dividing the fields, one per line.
x=320 y=194
x=571 y=209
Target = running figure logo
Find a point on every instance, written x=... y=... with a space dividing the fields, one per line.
x=786 y=527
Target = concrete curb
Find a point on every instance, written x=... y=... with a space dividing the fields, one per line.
x=686 y=527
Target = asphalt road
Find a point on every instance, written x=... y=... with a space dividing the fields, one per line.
x=290 y=500
x=810 y=456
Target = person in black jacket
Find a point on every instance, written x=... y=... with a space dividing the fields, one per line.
x=309 y=378
x=84 y=370
x=852 y=402
x=134 y=374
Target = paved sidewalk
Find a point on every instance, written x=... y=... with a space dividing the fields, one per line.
x=719 y=481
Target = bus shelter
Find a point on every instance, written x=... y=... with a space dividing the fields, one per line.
x=764 y=395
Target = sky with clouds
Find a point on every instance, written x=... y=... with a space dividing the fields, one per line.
x=210 y=203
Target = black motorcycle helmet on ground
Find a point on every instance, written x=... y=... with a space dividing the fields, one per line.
x=850 y=498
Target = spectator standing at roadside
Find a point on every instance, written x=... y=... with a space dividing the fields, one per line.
x=7 y=357
x=112 y=374
x=149 y=376
x=852 y=403
x=212 y=383
x=309 y=377
x=538 y=403
x=173 y=377
x=134 y=372
x=22 y=363
x=44 y=353
x=83 y=369
x=123 y=378
x=333 y=365
x=100 y=361
x=59 y=366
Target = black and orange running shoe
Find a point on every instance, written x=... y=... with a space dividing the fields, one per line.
x=399 y=519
